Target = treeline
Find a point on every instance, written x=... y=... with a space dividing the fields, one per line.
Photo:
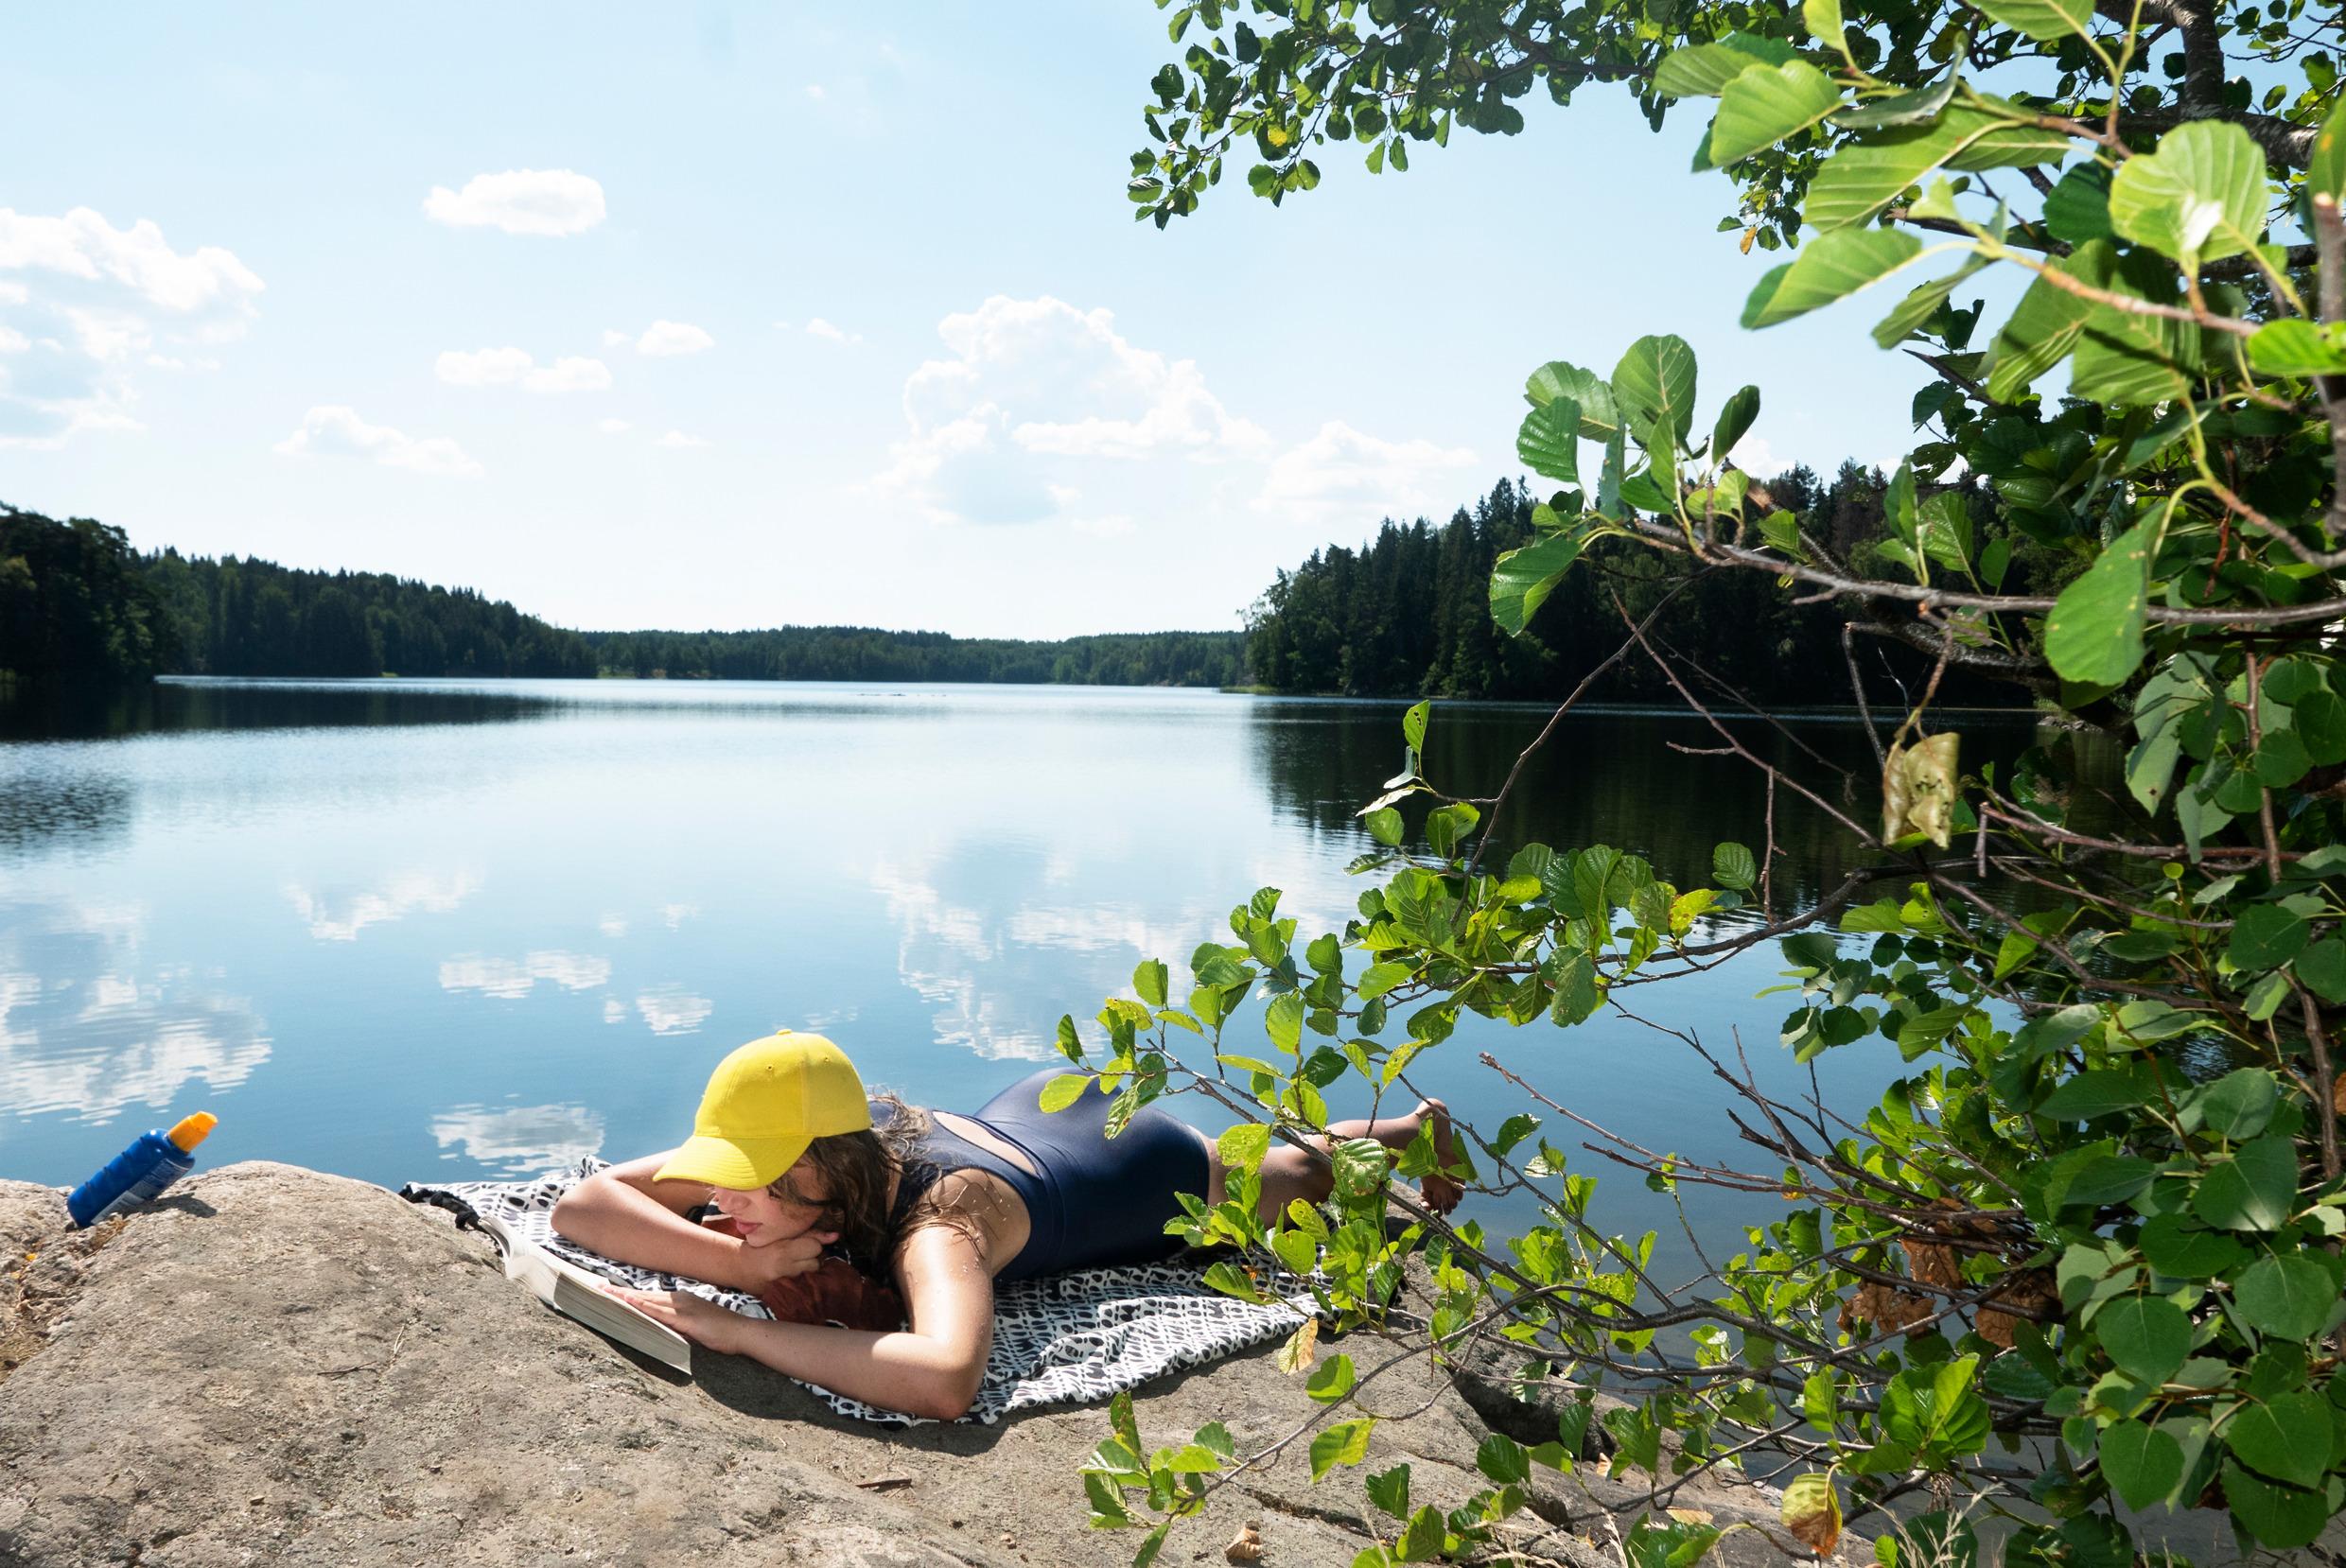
x=76 y=602
x=863 y=653
x=1409 y=612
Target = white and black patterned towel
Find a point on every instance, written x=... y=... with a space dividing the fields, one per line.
x=1067 y=1337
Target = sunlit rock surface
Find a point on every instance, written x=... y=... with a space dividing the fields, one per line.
x=279 y=1366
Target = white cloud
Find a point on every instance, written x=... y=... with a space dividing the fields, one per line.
x=83 y=245
x=678 y=441
x=613 y=426
x=506 y=367
x=814 y=93
x=673 y=1010
x=515 y=978
x=521 y=1139
x=818 y=327
x=574 y=373
x=554 y=202
x=614 y=1010
x=94 y=299
x=664 y=340
x=1343 y=477
x=614 y=337
x=487 y=367
x=341 y=917
x=335 y=430
x=1034 y=386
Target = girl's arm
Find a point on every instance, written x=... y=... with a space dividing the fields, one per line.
x=623 y=1212
x=932 y=1368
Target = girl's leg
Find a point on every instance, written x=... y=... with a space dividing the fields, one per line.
x=1291 y=1173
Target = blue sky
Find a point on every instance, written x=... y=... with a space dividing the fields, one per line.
x=734 y=317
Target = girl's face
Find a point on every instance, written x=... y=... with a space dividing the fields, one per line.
x=790 y=1208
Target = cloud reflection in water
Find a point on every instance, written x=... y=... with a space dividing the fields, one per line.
x=83 y=1033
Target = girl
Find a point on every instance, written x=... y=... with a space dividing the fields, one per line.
x=798 y=1159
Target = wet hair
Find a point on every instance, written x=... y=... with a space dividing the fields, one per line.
x=855 y=1168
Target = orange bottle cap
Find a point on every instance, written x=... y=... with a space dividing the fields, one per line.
x=193 y=1130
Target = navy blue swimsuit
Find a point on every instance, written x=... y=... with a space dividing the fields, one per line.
x=1091 y=1200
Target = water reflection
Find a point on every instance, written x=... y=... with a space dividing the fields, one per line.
x=334 y=915
x=518 y=1140
x=44 y=803
x=515 y=978
x=1636 y=781
x=86 y=1031
x=670 y=1010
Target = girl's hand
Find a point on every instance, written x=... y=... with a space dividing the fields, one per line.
x=703 y=1322
x=756 y=1265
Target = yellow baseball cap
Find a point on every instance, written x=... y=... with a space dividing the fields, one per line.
x=765 y=1104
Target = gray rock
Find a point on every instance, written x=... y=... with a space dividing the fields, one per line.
x=279 y=1366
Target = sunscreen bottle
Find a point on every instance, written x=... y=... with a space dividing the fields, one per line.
x=139 y=1173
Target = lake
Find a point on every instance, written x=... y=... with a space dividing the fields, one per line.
x=449 y=930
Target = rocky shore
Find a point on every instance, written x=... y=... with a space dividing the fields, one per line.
x=280 y=1367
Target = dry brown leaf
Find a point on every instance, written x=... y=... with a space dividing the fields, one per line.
x=1813 y=1513
x=1690 y=1516
x=1248 y=1547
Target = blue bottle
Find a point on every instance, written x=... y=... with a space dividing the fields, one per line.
x=139 y=1173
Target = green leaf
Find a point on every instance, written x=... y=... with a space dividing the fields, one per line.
x=1065 y=1090
x=1859 y=179
x=2078 y=209
x=1149 y=981
x=2090 y=1094
x=1923 y=304
x=2182 y=1252
x=1599 y=420
x=1918 y=107
x=1389 y=1490
x=2287 y=1296
x=2046 y=21
x=2146 y=1337
x=1381 y=978
x=2277 y=1516
x=1503 y=1459
x=2297 y=347
x=1703 y=70
x=2254 y=1189
x=1828 y=266
x=1385 y=826
x=1331 y=1380
x=1734 y=422
x=2095 y=631
x=2200 y=197
x=1654 y=380
x=1070 y=1043
x=1732 y=865
x=1522 y=579
x=2287 y=1438
x=2267 y=936
x=1823 y=18
x=2124 y=356
x=2238 y=1104
x=1242 y=1147
x=1344 y=1443
x=1762 y=107
x=1549 y=441
x=2046 y=328
x=1413 y=724
x=2322 y=967
x=2325 y=171
x=2142 y=1462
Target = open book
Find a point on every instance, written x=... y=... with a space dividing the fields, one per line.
x=570 y=1290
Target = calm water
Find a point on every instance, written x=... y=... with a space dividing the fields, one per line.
x=450 y=929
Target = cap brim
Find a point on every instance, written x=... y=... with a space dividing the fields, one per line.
x=742 y=1163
